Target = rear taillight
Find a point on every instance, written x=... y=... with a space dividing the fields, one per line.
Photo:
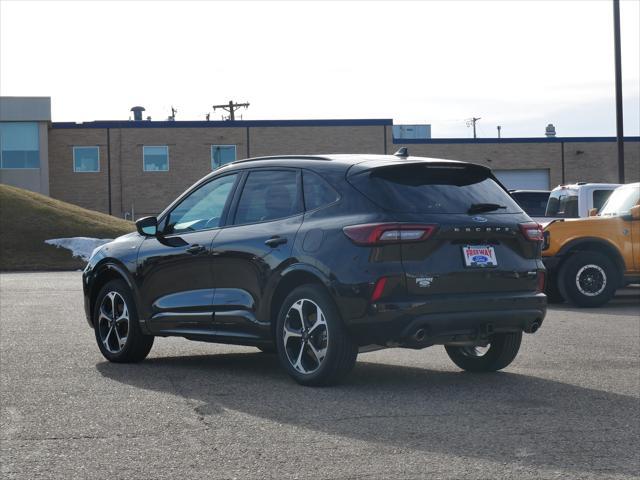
x=532 y=231
x=385 y=233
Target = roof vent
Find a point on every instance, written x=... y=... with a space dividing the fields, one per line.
x=550 y=131
x=137 y=113
x=402 y=152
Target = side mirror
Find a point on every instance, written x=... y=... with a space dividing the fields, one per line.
x=147 y=226
x=635 y=212
x=593 y=212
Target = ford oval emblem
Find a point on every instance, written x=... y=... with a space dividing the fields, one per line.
x=479 y=219
x=480 y=258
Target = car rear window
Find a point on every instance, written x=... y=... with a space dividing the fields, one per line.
x=534 y=203
x=419 y=188
x=563 y=204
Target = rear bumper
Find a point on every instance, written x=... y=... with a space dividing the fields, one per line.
x=449 y=319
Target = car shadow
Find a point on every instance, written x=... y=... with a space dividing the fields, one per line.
x=624 y=304
x=502 y=417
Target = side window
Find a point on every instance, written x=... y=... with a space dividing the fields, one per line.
x=203 y=208
x=317 y=192
x=599 y=197
x=268 y=195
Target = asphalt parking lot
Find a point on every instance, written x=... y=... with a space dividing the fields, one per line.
x=568 y=407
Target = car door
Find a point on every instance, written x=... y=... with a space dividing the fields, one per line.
x=175 y=270
x=254 y=246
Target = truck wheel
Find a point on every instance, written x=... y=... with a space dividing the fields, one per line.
x=313 y=344
x=498 y=354
x=588 y=279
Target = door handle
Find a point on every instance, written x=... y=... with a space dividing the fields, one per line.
x=195 y=249
x=275 y=241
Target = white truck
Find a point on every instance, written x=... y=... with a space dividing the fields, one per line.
x=576 y=200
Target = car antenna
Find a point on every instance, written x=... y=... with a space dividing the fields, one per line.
x=403 y=152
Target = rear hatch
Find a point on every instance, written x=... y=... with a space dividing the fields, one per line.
x=482 y=241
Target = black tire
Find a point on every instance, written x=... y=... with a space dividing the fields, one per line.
x=137 y=345
x=502 y=350
x=551 y=289
x=341 y=352
x=590 y=270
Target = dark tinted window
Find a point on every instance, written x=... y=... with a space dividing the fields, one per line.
x=418 y=188
x=534 y=203
x=202 y=208
x=599 y=197
x=563 y=204
x=317 y=191
x=268 y=195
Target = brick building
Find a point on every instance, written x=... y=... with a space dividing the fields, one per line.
x=137 y=167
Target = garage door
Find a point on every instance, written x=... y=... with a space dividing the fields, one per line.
x=524 y=179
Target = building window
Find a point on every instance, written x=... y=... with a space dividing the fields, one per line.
x=19 y=145
x=221 y=155
x=155 y=159
x=86 y=159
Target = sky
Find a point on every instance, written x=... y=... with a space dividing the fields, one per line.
x=518 y=64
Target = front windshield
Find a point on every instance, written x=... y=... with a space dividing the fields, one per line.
x=621 y=201
x=563 y=203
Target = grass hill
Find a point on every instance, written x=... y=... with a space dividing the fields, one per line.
x=27 y=219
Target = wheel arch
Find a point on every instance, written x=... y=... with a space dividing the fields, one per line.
x=292 y=277
x=593 y=244
x=105 y=272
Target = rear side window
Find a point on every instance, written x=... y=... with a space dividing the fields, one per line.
x=432 y=189
x=535 y=204
x=563 y=204
x=600 y=197
x=268 y=195
x=317 y=192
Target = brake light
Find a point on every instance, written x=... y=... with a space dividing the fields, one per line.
x=378 y=289
x=532 y=231
x=385 y=233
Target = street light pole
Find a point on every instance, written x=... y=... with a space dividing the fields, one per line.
x=619 y=117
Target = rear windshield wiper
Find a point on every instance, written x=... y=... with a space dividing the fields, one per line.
x=484 y=207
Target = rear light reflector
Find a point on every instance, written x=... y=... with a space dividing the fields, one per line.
x=385 y=233
x=378 y=289
x=532 y=231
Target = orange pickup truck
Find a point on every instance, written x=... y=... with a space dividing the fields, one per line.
x=588 y=259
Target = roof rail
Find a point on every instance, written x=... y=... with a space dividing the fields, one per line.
x=282 y=157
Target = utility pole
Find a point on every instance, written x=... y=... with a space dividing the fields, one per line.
x=619 y=119
x=472 y=121
x=231 y=108
x=499 y=128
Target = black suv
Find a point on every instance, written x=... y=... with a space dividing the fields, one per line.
x=318 y=257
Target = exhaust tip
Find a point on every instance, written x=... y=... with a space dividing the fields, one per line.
x=533 y=328
x=420 y=334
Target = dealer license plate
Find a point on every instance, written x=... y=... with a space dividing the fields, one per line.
x=479 y=256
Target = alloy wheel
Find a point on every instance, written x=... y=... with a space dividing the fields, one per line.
x=476 y=351
x=591 y=280
x=113 y=322
x=306 y=336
